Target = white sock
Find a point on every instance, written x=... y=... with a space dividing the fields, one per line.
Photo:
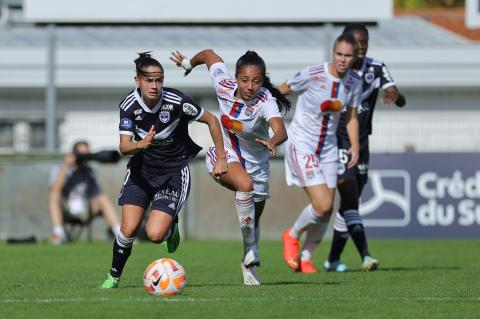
x=116 y=230
x=340 y=224
x=306 y=218
x=246 y=216
x=124 y=241
x=314 y=236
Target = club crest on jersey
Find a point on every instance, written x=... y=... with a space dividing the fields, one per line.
x=189 y=109
x=249 y=111
x=369 y=77
x=126 y=123
x=137 y=112
x=167 y=107
x=217 y=72
x=164 y=116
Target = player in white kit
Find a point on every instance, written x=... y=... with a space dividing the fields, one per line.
x=249 y=106
x=348 y=222
x=311 y=154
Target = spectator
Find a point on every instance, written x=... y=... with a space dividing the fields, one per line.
x=74 y=190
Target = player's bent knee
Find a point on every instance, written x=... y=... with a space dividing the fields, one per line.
x=245 y=186
x=322 y=210
x=156 y=237
x=128 y=231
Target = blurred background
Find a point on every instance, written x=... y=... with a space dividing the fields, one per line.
x=66 y=65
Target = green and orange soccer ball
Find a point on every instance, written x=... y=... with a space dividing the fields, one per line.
x=164 y=277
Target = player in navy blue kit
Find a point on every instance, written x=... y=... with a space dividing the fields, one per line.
x=351 y=182
x=154 y=129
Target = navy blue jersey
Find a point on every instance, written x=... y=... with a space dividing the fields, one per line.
x=375 y=75
x=171 y=147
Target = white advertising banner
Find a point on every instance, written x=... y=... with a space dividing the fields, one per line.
x=206 y=11
x=472 y=14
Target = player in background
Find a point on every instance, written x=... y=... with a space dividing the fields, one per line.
x=311 y=154
x=351 y=181
x=154 y=129
x=249 y=106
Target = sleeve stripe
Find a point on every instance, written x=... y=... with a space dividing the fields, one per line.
x=200 y=115
x=126 y=107
x=387 y=85
x=127 y=100
x=173 y=96
x=127 y=133
x=171 y=101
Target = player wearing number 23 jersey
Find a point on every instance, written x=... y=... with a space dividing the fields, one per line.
x=311 y=153
x=312 y=133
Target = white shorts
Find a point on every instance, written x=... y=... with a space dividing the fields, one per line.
x=260 y=173
x=306 y=169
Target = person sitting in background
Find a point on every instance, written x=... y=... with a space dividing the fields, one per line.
x=74 y=190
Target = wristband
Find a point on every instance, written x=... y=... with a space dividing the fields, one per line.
x=186 y=64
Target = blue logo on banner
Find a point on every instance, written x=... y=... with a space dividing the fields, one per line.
x=389 y=191
x=413 y=195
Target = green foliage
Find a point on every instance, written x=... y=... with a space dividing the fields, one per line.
x=415 y=4
x=416 y=279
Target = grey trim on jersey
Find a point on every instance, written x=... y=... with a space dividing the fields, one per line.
x=199 y=115
x=387 y=85
x=126 y=133
x=185 y=184
x=144 y=106
x=373 y=85
x=129 y=100
x=161 y=135
x=171 y=97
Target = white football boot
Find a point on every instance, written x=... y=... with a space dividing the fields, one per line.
x=250 y=276
x=251 y=258
x=370 y=263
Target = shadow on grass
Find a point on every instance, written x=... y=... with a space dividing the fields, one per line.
x=429 y=268
x=274 y=283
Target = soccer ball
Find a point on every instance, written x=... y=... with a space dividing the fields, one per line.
x=164 y=277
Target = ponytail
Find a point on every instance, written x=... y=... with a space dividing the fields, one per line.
x=144 y=61
x=284 y=104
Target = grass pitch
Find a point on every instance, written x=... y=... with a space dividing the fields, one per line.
x=416 y=279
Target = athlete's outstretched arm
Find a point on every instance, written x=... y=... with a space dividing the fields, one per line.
x=207 y=57
x=279 y=135
x=353 y=136
x=216 y=133
x=392 y=95
x=285 y=88
x=128 y=147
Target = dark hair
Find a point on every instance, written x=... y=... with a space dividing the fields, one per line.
x=252 y=58
x=351 y=27
x=145 y=60
x=77 y=144
x=348 y=38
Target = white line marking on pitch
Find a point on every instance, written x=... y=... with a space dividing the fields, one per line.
x=187 y=299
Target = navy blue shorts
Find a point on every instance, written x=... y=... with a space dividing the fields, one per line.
x=166 y=192
x=360 y=171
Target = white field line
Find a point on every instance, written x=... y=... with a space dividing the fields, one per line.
x=207 y=300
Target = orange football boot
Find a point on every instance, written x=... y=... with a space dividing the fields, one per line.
x=290 y=250
x=307 y=267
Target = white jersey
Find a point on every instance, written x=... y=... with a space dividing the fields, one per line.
x=243 y=121
x=318 y=109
